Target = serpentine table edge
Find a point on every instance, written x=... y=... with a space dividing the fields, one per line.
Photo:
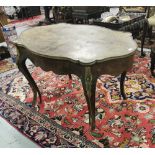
x=87 y=72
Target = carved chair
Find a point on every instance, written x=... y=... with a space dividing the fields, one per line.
x=148 y=25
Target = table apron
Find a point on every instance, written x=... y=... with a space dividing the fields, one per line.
x=113 y=67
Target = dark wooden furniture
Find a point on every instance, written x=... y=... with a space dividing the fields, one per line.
x=149 y=23
x=84 y=50
x=134 y=25
x=3 y=21
x=145 y=28
x=135 y=9
x=152 y=56
x=84 y=13
x=63 y=14
x=4 y=52
x=29 y=11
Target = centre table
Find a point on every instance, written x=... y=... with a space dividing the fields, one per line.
x=84 y=50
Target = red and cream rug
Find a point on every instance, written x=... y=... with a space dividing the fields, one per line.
x=62 y=119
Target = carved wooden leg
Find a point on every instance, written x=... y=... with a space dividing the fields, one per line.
x=150 y=34
x=145 y=27
x=22 y=67
x=70 y=76
x=152 y=55
x=122 y=85
x=89 y=86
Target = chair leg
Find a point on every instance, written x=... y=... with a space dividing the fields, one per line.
x=150 y=34
x=152 y=56
x=122 y=80
x=145 y=27
x=70 y=76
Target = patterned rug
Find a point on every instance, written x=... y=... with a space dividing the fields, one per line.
x=6 y=65
x=119 y=123
x=30 y=21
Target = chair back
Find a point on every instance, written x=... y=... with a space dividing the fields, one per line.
x=150 y=11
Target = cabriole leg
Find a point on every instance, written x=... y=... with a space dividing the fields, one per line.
x=89 y=86
x=22 y=67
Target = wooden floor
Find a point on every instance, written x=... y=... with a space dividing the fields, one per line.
x=11 y=138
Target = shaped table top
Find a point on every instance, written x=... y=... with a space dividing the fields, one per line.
x=82 y=43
